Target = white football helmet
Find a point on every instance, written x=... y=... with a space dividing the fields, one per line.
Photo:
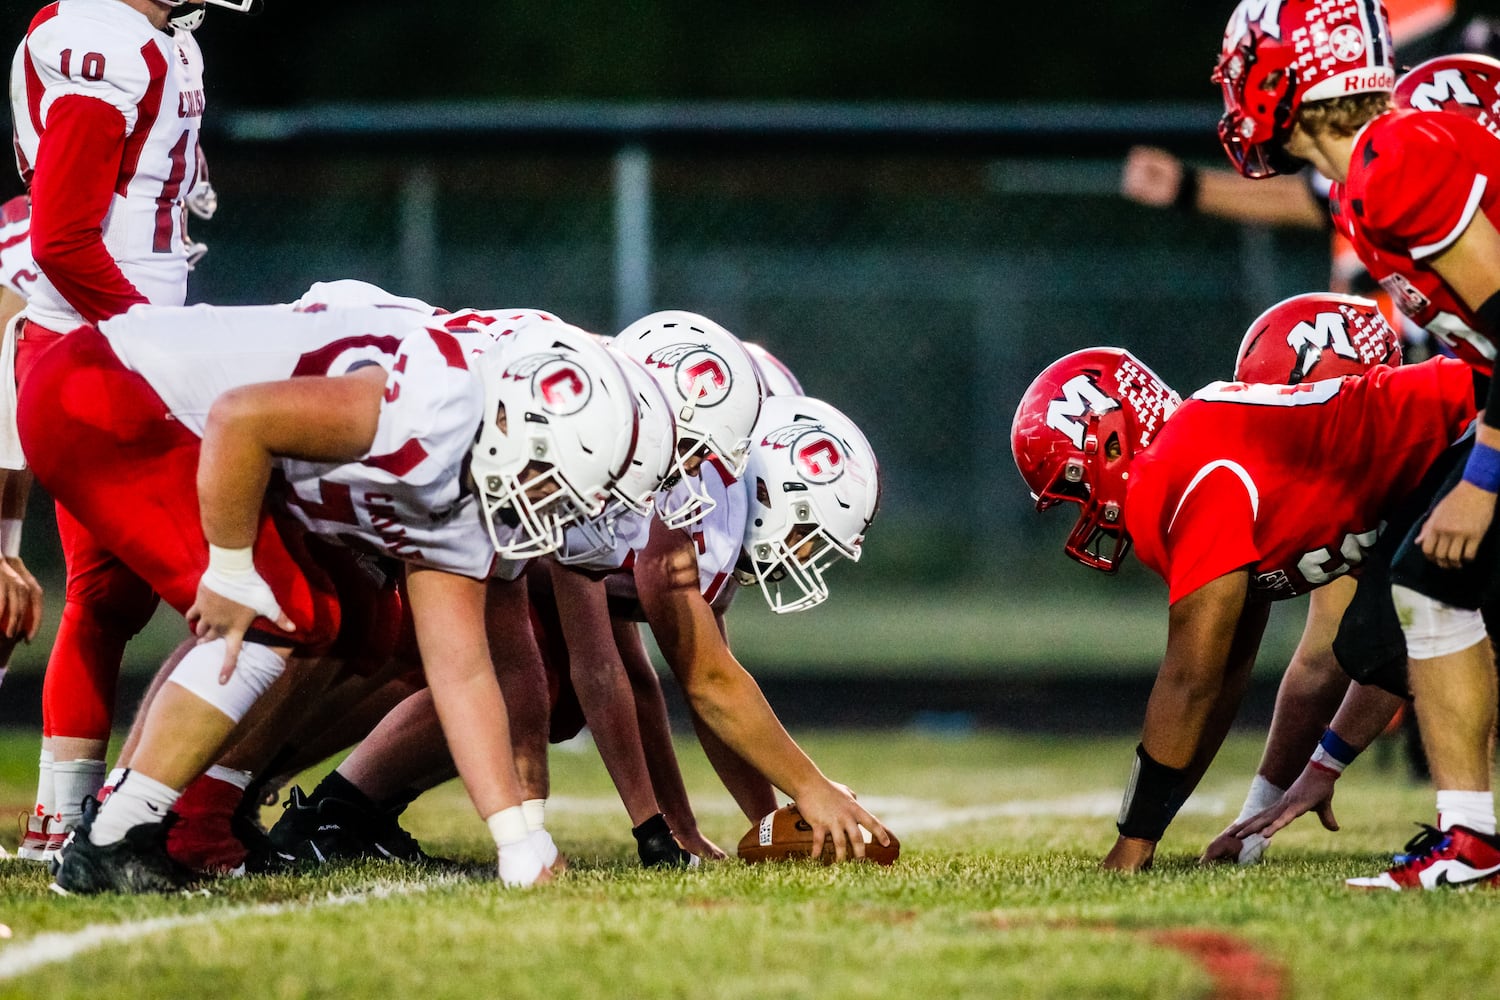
x=775 y=377
x=560 y=429
x=814 y=488
x=711 y=383
x=635 y=492
x=189 y=15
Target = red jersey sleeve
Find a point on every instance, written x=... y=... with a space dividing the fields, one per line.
x=78 y=162
x=1421 y=188
x=1212 y=532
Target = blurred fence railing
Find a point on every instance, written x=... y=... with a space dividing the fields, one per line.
x=915 y=265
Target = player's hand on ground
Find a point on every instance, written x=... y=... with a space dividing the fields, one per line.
x=1311 y=792
x=1229 y=848
x=1151 y=176
x=1457 y=525
x=831 y=811
x=20 y=600
x=1130 y=854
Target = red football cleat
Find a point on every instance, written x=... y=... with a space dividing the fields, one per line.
x=1455 y=858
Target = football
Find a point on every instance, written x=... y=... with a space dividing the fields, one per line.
x=784 y=834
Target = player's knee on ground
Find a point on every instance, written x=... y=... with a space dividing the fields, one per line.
x=256 y=671
x=1433 y=628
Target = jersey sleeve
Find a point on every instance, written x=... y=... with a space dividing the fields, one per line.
x=81 y=56
x=71 y=190
x=1421 y=187
x=432 y=407
x=1211 y=533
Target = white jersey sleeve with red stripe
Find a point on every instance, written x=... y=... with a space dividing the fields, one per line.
x=406 y=498
x=108 y=51
x=18 y=271
x=719 y=537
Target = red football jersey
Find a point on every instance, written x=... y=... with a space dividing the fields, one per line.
x=1294 y=482
x=1416 y=179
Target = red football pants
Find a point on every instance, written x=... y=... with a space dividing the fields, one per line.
x=104 y=445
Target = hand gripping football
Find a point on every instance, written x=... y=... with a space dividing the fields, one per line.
x=784 y=834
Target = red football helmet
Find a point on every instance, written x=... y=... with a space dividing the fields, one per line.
x=1076 y=431
x=1316 y=336
x=1278 y=54
x=1466 y=83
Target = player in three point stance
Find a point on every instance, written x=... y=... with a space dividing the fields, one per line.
x=443 y=444
x=1239 y=496
x=1415 y=193
x=107 y=99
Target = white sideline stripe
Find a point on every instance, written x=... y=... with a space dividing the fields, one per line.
x=904 y=814
x=60 y=946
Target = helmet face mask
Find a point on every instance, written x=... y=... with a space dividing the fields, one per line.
x=189 y=16
x=816 y=490
x=1076 y=431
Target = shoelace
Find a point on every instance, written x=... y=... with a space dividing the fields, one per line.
x=1423 y=845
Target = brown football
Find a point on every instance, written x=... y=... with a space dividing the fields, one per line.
x=785 y=834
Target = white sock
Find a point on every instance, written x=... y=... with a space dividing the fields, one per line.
x=113 y=778
x=46 y=798
x=1475 y=810
x=233 y=776
x=535 y=811
x=1262 y=796
x=136 y=800
x=73 y=781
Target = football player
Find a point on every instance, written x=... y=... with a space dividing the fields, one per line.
x=439 y=446
x=1306 y=81
x=1242 y=495
x=107 y=99
x=1322 y=719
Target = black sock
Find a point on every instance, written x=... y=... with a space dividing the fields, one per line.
x=336 y=786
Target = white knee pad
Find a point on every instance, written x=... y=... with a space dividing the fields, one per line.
x=257 y=669
x=1433 y=628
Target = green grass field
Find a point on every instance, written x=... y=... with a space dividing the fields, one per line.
x=996 y=895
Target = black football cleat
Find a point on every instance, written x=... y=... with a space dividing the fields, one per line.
x=326 y=828
x=136 y=863
x=656 y=846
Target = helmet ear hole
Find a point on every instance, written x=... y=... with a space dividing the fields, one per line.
x=762 y=495
x=1112 y=448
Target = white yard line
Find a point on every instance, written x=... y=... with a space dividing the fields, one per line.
x=60 y=946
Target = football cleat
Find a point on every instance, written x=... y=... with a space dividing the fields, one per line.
x=657 y=847
x=41 y=838
x=1437 y=859
x=326 y=829
x=137 y=863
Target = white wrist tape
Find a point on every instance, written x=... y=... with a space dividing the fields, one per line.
x=507 y=827
x=520 y=864
x=231 y=573
x=1262 y=796
x=10 y=537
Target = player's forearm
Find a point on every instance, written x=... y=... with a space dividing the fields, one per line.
x=748 y=787
x=1274 y=201
x=234 y=469
x=1365 y=713
x=1309 y=695
x=78 y=161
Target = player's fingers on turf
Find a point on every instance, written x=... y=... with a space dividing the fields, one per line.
x=1325 y=814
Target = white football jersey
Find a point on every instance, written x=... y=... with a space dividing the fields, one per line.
x=106 y=50
x=17 y=270
x=407 y=498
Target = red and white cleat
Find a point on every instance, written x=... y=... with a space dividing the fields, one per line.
x=1456 y=858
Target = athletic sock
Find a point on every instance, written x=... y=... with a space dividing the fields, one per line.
x=74 y=781
x=230 y=775
x=336 y=786
x=113 y=778
x=1474 y=810
x=137 y=800
x=46 y=798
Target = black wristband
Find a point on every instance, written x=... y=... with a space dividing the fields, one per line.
x=1151 y=799
x=1187 y=191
